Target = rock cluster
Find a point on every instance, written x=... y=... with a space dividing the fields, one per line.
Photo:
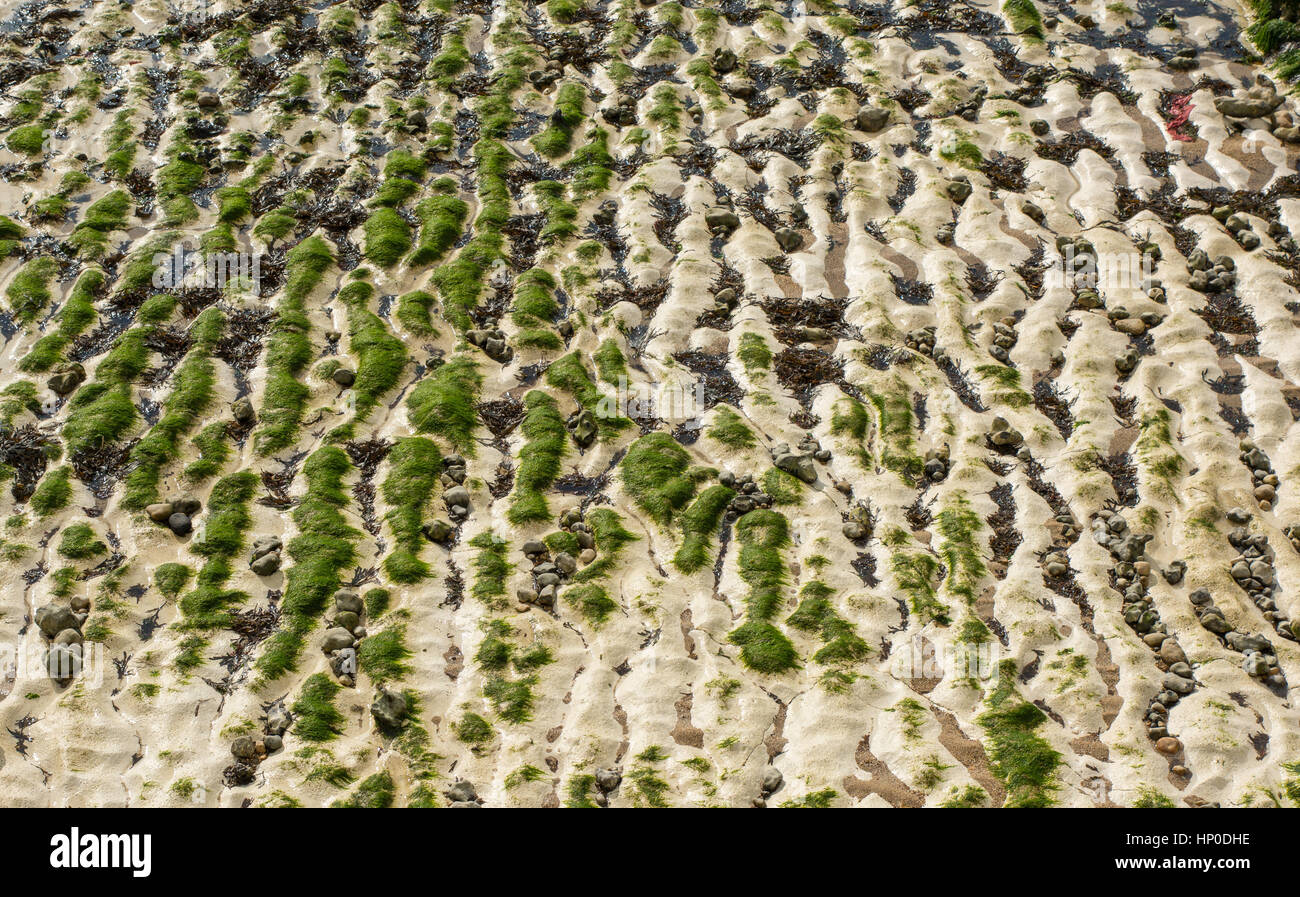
x=493 y=343
x=937 y=462
x=1003 y=436
x=61 y=625
x=265 y=558
x=455 y=496
x=921 y=340
x=550 y=572
x=177 y=515
x=1252 y=569
x=1260 y=101
x=799 y=461
x=748 y=495
x=1210 y=277
x=344 y=631
x=1004 y=338
x=1131 y=576
x=1262 y=475
x=249 y=751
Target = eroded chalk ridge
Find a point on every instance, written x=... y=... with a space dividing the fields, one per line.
x=632 y=403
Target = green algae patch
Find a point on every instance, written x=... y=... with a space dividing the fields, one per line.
x=539 y=459
x=1022 y=760
x=443 y=404
x=763 y=534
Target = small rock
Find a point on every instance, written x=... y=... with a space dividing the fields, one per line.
x=389 y=709
x=347 y=600
x=462 y=792
x=337 y=639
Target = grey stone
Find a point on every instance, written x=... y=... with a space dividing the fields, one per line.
x=337 y=639
x=1239 y=107
x=54 y=618
x=65 y=378
x=438 y=531
x=608 y=779
x=462 y=792
x=721 y=220
x=180 y=523
x=456 y=496
x=266 y=564
x=242 y=410
x=389 y=709
x=244 y=747
x=872 y=119
x=789 y=239
x=772 y=779
x=347 y=599
x=344 y=377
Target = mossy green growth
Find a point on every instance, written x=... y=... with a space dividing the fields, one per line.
x=29 y=292
x=654 y=473
x=534 y=305
x=474 y=729
x=316 y=717
x=611 y=538
x=490 y=568
x=568 y=114
x=442 y=218
x=816 y=614
x=77 y=314
x=610 y=364
x=289 y=350
x=53 y=492
x=321 y=551
x=915 y=572
x=763 y=534
x=546 y=441
x=382 y=656
x=171 y=577
x=228 y=521
x=10 y=233
x=27 y=140
x=754 y=353
x=592 y=601
x=414 y=313
x=1024 y=17
x=380 y=355
x=413 y=468
x=592 y=165
x=1024 y=762
x=80 y=543
x=375 y=792
x=188 y=402
x=699 y=525
x=730 y=429
x=896 y=425
x=570 y=374
x=102 y=217
x=101 y=412
x=443 y=403
x=388 y=237
x=958 y=523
